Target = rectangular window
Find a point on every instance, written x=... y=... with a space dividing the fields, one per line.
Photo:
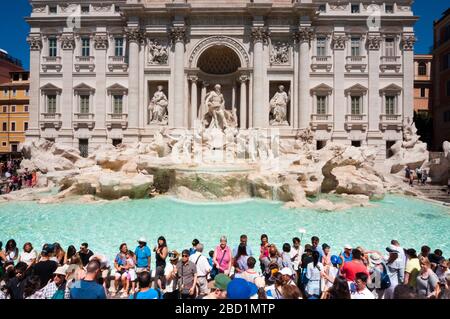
x=5 y=92
x=321 y=104
x=14 y=92
x=448 y=88
x=390 y=46
x=422 y=92
x=4 y=126
x=355 y=46
x=355 y=8
x=16 y=77
x=27 y=92
x=84 y=9
x=25 y=126
x=13 y=127
x=85 y=47
x=84 y=103
x=52 y=47
x=13 y=109
x=3 y=143
x=322 y=8
x=14 y=147
x=389 y=8
x=52 y=9
x=25 y=76
x=118 y=49
x=5 y=109
x=356 y=105
x=116 y=141
x=116 y=8
x=117 y=104
x=356 y=143
x=51 y=104
x=390 y=105
x=25 y=108
x=447 y=116
x=321 y=46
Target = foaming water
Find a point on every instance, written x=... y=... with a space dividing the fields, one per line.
x=106 y=225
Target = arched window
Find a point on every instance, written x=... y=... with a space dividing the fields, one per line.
x=422 y=68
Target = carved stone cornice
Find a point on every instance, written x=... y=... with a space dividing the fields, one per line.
x=193 y=78
x=101 y=41
x=260 y=34
x=408 y=41
x=178 y=34
x=134 y=35
x=303 y=34
x=374 y=42
x=35 y=42
x=67 y=41
x=339 y=41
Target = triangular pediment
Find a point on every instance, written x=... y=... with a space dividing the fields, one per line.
x=322 y=88
x=391 y=88
x=83 y=87
x=357 y=88
x=117 y=87
x=50 y=87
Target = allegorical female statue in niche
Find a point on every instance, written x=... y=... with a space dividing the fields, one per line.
x=157 y=109
x=278 y=107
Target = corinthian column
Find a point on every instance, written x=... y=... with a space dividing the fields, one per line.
x=194 y=80
x=66 y=106
x=408 y=40
x=178 y=37
x=303 y=37
x=134 y=37
x=260 y=108
x=35 y=42
x=243 y=103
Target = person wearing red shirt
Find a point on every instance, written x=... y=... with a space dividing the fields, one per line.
x=356 y=265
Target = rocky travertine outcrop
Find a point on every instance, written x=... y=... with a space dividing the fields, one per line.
x=293 y=172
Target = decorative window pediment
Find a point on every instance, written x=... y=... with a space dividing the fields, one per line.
x=356 y=89
x=49 y=87
x=117 y=89
x=83 y=88
x=321 y=89
x=391 y=89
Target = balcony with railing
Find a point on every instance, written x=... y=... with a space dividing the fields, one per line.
x=321 y=62
x=356 y=62
x=391 y=120
x=50 y=120
x=390 y=63
x=51 y=63
x=356 y=121
x=84 y=63
x=117 y=63
x=83 y=119
x=119 y=119
x=321 y=120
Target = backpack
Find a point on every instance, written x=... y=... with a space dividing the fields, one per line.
x=385 y=281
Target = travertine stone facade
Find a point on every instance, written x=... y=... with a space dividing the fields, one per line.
x=347 y=67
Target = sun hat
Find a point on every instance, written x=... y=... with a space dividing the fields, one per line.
x=175 y=255
x=221 y=281
x=335 y=260
x=286 y=271
x=142 y=240
x=347 y=246
x=241 y=289
x=375 y=259
x=62 y=270
x=393 y=249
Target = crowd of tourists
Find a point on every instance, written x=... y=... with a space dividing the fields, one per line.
x=295 y=271
x=421 y=175
x=12 y=180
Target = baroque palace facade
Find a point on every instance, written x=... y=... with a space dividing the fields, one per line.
x=118 y=71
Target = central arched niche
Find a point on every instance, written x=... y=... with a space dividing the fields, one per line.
x=219 y=59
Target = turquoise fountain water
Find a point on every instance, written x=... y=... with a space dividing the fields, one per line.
x=105 y=226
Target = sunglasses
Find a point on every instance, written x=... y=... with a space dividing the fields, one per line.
x=185 y=255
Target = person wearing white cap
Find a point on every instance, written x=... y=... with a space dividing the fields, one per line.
x=57 y=288
x=346 y=255
x=143 y=256
x=286 y=275
x=395 y=270
x=376 y=269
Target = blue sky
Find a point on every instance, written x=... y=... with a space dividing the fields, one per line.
x=15 y=29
